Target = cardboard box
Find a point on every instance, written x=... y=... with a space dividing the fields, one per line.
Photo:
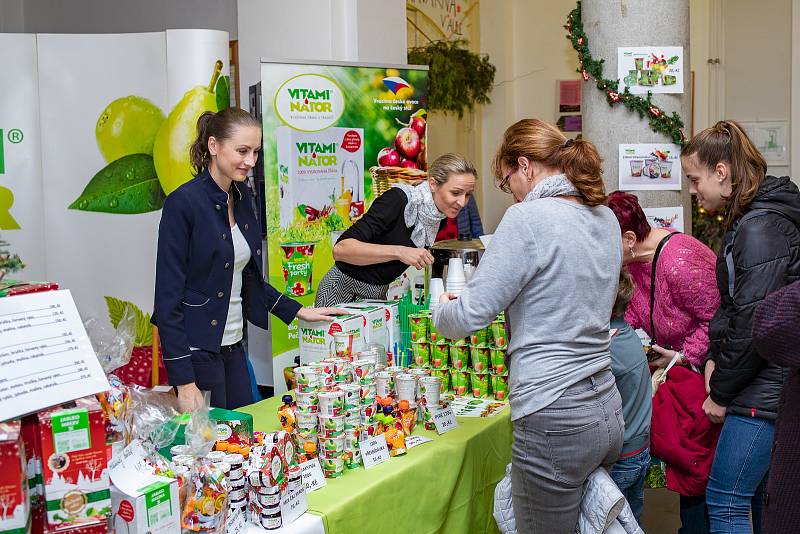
x=151 y=508
x=232 y=427
x=316 y=338
x=74 y=465
x=392 y=310
x=15 y=510
x=319 y=171
x=376 y=316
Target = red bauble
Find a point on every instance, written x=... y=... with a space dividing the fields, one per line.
x=613 y=96
x=654 y=111
x=580 y=40
x=585 y=75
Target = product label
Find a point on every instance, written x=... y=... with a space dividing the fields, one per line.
x=444 y=420
x=309 y=102
x=157 y=502
x=71 y=431
x=413 y=441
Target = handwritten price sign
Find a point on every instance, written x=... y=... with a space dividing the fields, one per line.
x=312 y=475
x=445 y=421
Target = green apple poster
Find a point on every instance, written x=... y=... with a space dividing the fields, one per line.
x=325 y=127
x=99 y=124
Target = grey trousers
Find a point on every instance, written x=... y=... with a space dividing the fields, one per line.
x=557 y=448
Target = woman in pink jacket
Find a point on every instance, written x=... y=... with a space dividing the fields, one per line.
x=686 y=298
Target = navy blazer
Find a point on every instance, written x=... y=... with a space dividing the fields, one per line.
x=194 y=273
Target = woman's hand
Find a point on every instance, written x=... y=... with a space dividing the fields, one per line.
x=319 y=314
x=665 y=358
x=415 y=257
x=715 y=412
x=190 y=398
x=710 y=366
x=446 y=297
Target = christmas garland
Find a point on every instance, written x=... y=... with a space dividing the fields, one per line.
x=591 y=68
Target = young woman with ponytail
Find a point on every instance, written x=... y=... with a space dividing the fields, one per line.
x=209 y=273
x=553 y=265
x=760 y=254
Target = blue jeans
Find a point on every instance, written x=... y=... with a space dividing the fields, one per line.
x=629 y=474
x=738 y=475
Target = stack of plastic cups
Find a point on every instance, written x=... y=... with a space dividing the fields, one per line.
x=455 y=276
x=236 y=480
x=309 y=381
x=435 y=290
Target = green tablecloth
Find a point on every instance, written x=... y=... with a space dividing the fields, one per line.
x=443 y=486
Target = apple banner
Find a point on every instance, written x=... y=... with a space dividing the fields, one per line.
x=105 y=122
x=325 y=126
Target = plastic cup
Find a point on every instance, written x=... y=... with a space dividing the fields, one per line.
x=332 y=467
x=459 y=381
x=499 y=338
x=307 y=401
x=308 y=379
x=419 y=327
x=444 y=376
x=352 y=395
x=433 y=335
x=430 y=389
x=368 y=414
x=352 y=419
x=343 y=345
x=363 y=371
x=636 y=167
x=498 y=360
x=306 y=422
x=440 y=354
x=331 y=403
x=421 y=353
x=406 y=385
x=332 y=447
x=455 y=269
x=479 y=337
x=499 y=383
x=341 y=369
x=435 y=289
x=326 y=370
x=459 y=356
x=368 y=391
x=331 y=426
x=384 y=384
x=479 y=384
x=479 y=355
x=666 y=169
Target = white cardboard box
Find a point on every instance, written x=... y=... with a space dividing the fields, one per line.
x=376 y=315
x=316 y=338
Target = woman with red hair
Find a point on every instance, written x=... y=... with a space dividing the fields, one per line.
x=685 y=299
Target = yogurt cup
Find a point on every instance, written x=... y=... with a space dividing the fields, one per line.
x=332 y=447
x=499 y=332
x=419 y=326
x=479 y=385
x=352 y=459
x=367 y=414
x=326 y=372
x=352 y=395
x=330 y=426
x=363 y=371
x=444 y=376
x=384 y=384
x=433 y=335
x=352 y=419
x=332 y=467
x=478 y=337
x=406 y=385
x=459 y=356
x=460 y=381
x=421 y=353
x=309 y=379
x=499 y=383
x=430 y=389
x=302 y=439
x=368 y=391
x=331 y=402
x=479 y=355
x=497 y=358
x=307 y=401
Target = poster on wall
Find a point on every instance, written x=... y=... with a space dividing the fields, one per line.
x=770 y=139
x=649 y=167
x=114 y=113
x=665 y=218
x=324 y=127
x=650 y=68
x=446 y=20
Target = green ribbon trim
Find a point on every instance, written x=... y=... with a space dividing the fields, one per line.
x=102 y=495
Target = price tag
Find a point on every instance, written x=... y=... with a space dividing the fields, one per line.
x=293 y=504
x=444 y=420
x=374 y=451
x=313 y=479
x=413 y=441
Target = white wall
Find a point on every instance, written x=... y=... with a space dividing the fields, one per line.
x=124 y=16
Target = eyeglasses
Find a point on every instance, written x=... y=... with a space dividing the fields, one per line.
x=504 y=183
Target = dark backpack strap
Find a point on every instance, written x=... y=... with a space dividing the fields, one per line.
x=653 y=284
x=728 y=251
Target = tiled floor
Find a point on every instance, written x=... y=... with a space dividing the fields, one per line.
x=661 y=514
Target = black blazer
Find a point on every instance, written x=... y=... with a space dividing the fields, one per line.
x=194 y=272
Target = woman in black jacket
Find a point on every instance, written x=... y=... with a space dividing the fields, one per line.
x=760 y=254
x=209 y=273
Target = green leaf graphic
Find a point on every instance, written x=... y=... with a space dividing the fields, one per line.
x=127 y=185
x=223 y=92
x=144 y=331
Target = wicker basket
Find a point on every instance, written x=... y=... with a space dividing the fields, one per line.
x=385 y=177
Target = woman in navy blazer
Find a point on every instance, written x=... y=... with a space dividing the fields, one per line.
x=209 y=278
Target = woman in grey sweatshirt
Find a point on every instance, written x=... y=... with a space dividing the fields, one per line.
x=553 y=266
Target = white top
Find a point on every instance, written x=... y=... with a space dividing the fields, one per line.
x=234 y=324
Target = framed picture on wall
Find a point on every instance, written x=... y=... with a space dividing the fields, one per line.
x=770 y=137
